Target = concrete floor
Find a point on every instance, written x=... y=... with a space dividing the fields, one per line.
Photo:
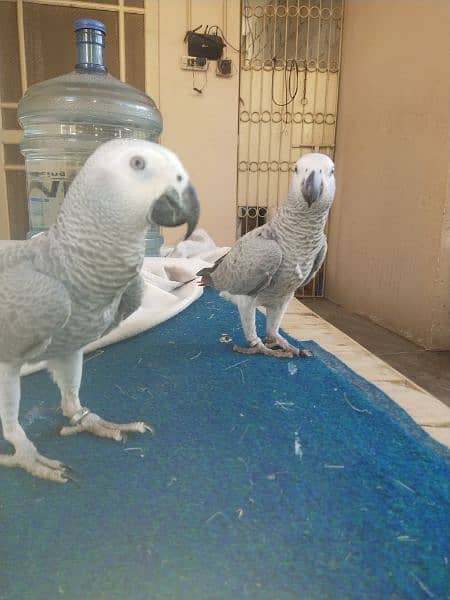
x=430 y=370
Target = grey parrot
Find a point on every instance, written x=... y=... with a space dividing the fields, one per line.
x=267 y=265
x=65 y=288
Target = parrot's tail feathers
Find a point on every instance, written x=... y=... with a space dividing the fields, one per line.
x=205 y=275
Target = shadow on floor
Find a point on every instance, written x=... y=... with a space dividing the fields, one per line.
x=430 y=370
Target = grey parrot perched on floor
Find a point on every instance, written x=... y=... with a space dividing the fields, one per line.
x=267 y=265
x=67 y=287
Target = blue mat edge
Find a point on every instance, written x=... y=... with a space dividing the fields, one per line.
x=376 y=396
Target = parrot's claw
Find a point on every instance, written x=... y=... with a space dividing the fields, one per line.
x=260 y=348
x=28 y=458
x=84 y=420
x=280 y=342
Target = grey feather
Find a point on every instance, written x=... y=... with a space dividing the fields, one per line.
x=318 y=262
x=129 y=302
x=250 y=264
x=65 y=288
x=34 y=307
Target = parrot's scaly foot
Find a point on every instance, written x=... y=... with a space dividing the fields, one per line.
x=280 y=342
x=260 y=348
x=28 y=458
x=84 y=420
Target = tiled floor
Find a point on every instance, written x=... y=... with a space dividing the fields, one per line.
x=430 y=370
x=424 y=407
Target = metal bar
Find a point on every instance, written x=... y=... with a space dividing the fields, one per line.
x=14 y=167
x=325 y=100
x=22 y=54
x=262 y=72
x=285 y=108
x=247 y=175
x=315 y=147
x=295 y=99
x=313 y=127
x=271 y=111
x=312 y=146
x=87 y=5
x=151 y=29
x=338 y=82
x=304 y=99
x=5 y=229
x=236 y=191
x=122 y=55
x=10 y=136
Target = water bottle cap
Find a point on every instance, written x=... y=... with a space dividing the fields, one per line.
x=89 y=24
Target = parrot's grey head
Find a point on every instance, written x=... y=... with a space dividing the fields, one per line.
x=146 y=183
x=313 y=182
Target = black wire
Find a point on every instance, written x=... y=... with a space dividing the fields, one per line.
x=250 y=29
x=217 y=28
x=196 y=89
x=287 y=83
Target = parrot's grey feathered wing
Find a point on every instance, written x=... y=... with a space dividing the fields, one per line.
x=248 y=267
x=34 y=306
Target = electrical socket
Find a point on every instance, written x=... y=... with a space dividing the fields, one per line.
x=193 y=63
x=224 y=67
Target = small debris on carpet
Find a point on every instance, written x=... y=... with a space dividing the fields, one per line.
x=298 y=450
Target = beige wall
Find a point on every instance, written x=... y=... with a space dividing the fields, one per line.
x=388 y=251
x=202 y=128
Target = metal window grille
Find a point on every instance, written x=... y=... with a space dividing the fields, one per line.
x=289 y=82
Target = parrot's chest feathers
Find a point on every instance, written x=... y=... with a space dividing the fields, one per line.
x=299 y=253
x=294 y=272
x=95 y=289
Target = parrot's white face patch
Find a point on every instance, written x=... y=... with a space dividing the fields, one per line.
x=135 y=174
x=133 y=163
x=313 y=181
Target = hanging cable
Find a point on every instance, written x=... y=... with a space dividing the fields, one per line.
x=194 y=87
x=217 y=28
x=287 y=82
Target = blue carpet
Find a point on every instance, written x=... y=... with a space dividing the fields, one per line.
x=267 y=479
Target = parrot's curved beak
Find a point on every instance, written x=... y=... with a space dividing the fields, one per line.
x=171 y=209
x=312 y=187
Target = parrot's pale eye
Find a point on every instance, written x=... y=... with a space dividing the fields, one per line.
x=296 y=169
x=332 y=171
x=137 y=163
x=179 y=177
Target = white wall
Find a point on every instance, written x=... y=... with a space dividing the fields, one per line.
x=388 y=241
x=201 y=128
